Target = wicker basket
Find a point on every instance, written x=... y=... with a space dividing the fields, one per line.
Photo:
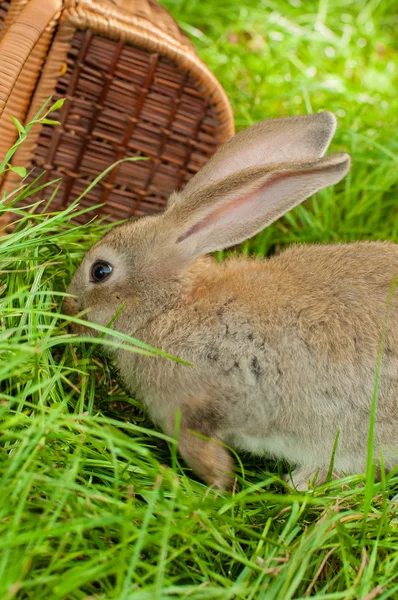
x=134 y=86
x=4 y=6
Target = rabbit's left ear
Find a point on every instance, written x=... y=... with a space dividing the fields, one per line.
x=227 y=212
x=304 y=137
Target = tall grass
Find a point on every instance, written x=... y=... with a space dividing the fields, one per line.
x=94 y=502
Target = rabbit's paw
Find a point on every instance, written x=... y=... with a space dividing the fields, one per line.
x=216 y=466
x=209 y=459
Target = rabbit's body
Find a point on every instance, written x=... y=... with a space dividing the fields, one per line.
x=293 y=342
x=284 y=350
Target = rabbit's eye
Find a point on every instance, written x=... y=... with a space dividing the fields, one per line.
x=100 y=271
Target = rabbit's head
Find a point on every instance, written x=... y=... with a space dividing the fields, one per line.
x=253 y=179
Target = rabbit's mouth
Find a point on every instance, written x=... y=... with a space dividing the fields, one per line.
x=72 y=308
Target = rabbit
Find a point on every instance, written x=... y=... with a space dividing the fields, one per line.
x=282 y=351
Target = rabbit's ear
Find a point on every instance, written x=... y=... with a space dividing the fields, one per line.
x=269 y=142
x=225 y=213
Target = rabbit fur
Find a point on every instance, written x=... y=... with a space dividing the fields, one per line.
x=284 y=350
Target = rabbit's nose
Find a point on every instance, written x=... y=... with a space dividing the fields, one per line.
x=71 y=307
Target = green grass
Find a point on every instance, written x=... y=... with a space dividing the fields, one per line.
x=94 y=502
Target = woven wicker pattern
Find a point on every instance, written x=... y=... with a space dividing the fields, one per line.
x=134 y=87
x=123 y=101
x=4 y=6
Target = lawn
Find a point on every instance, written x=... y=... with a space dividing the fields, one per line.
x=95 y=503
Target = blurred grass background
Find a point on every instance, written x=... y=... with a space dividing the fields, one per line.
x=94 y=503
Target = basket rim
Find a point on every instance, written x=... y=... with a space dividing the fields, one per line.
x=110 y=9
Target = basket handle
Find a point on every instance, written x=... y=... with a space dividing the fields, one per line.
x=19 y=40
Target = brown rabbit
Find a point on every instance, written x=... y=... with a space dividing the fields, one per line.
x=284 y=350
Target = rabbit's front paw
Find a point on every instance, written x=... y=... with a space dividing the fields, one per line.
x=209 y=460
